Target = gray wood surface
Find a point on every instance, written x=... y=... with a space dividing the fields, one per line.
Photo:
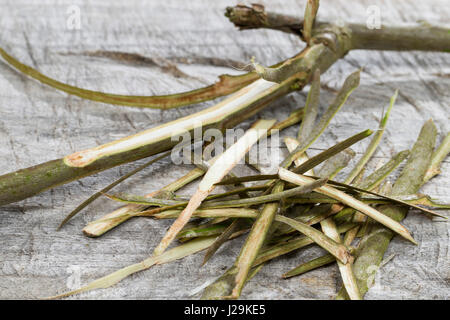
x=38 y=123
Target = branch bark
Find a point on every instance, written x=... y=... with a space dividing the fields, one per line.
x=254 y=17
x=329 y=43
x=399 y=38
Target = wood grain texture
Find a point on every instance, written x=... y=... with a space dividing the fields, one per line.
x=38 y=124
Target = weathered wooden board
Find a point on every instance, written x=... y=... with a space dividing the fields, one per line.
x=38 y=123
